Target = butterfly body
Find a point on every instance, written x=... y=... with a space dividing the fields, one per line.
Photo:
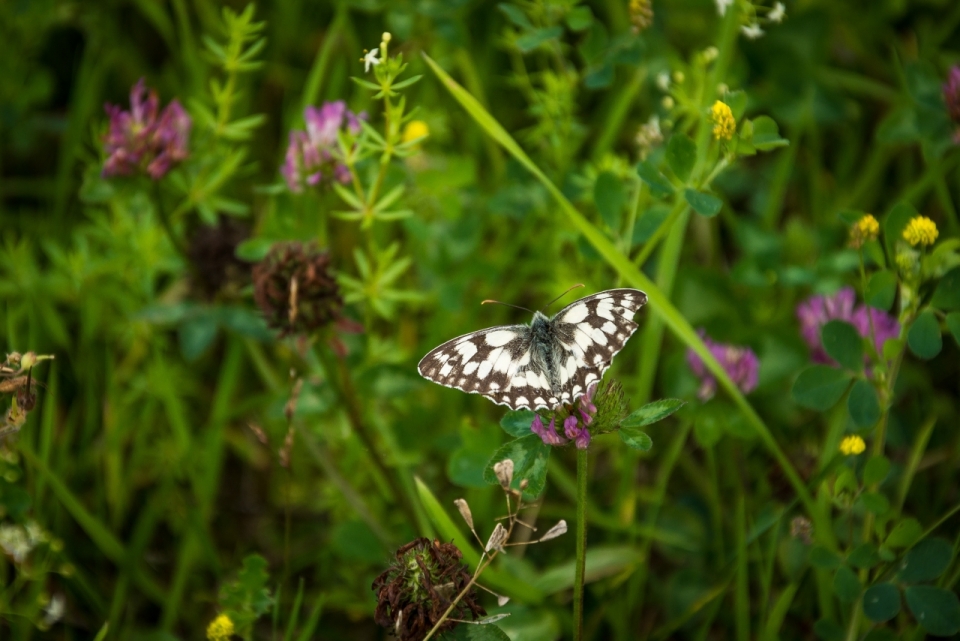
x=549 y=363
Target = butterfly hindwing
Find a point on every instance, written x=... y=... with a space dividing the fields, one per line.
x=595 y=328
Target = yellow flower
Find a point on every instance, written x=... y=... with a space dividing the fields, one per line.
x=852 y=445
x=641 y=14
x=725 y=125
x=220 y=629
x=920 y=231
x=865 y=229
x=415 y=129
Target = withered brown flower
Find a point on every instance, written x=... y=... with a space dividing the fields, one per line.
x=212 y=251
x=417 y=589
x=295 y=290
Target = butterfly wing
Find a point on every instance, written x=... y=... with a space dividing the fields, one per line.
x=486 y=362
x=591 y=331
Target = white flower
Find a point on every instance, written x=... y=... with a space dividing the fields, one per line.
x=776 y=14
x=722 y=6
x=752 y=31
x=370 y=58
x=663 y=80
x=54 y=610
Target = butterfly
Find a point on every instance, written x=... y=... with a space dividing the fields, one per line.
x=553 y=361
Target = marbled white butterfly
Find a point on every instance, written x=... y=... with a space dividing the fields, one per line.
x=546 y=364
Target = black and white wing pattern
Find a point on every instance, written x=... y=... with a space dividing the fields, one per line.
x=591 y=331
x=551 y=362
x=484 y=362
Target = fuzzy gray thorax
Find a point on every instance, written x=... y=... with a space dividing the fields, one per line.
x=545 y=349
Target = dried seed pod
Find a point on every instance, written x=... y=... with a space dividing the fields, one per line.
x=504 y=472
x=465 y=512
x=497 y=538
x=557 y=530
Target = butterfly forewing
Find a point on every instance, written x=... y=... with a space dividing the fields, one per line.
x=483 y=362
x=512 y=367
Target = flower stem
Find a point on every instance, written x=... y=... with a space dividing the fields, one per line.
x=581 y=544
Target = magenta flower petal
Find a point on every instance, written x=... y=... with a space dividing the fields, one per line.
x=313 y=156
x=740 y=364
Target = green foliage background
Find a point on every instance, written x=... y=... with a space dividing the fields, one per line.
x=144 y=459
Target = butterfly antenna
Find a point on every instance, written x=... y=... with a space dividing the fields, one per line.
x=562 y=295
x=507 y=304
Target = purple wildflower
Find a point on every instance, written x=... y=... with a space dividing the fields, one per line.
x=740 y=364
x=138 y=140
x=572 y=428
x=817 y=311
x=312 y=155
x=547 y=433
x=951 y=96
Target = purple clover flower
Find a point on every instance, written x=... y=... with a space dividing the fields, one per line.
x=951 y=96
x=312 y=155
x=574 y=427
x=139 y=140
x=740 y=364
x=817 y=311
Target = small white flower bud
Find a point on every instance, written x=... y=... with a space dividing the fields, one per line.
x=557 y=530
x=502 y=600
x=497 y=539
x=504 y=472
x=465 y=511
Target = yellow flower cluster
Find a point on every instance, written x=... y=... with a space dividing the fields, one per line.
x=220 y=629
x=724 y=124
x=415 y=129
x=852 y=445
x=865 y=229
x=920 y=231
x=641 y=14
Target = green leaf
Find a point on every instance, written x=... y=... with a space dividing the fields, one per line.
x=579 y=18
x=533 y=39
x=652 y=412
x=659 y=185
x=863 y=405
x=843 y=343
x=875 y=503
x=953 y=324
x=466 y=464
x=610 y=195
x=924 y=336
x=766 y=134
x=820 y=387
x=196 y=334
x=864 y=556
x=681 y=155
x=517 y=422
x=876 y=470
x=515 y=15
x=926 y=561
x=846 y=585
x=704 y=204
x=882 y=289
x=636 y=439
x=947 y=294
x=247 y=598
x=893 y=225
x=600 y=562
x=737 y=101
x=824 y=559
x=904 y=534
x=936 y=610
x=828 y=630
x=881 y=634
x=529 y=455
x=881 y=602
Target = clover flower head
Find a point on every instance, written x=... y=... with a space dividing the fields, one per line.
x=641 y=14
x=817 y=311
x=751 y=31
x=951 y=93
x=724 y=124
x=548 y=433
x=864 y=230
x=143 y=139
x=920 y=231
x=740 y=363
x=313 y=156
x=220 y=629
x=575 y=425
x=852 y=445
x=777 y=13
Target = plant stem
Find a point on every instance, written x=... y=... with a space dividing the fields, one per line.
x=165 y=222
x=581 y=544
